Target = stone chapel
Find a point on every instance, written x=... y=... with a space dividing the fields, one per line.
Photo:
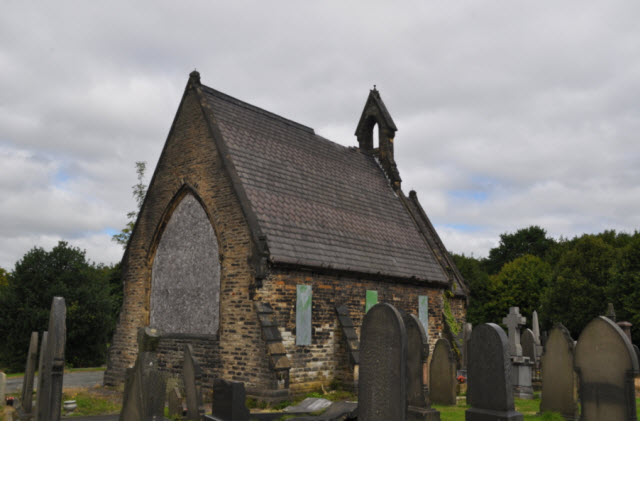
x=262 y=245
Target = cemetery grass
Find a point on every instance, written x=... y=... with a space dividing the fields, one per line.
x=94 y=401
x=528 y=408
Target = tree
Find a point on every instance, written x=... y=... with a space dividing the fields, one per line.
x=531 y=240
x=625 y=286
x=477 y=280
x=579 y=284
x=520 y=283
x=139 y=192
x=25 y=305
x=4 y=278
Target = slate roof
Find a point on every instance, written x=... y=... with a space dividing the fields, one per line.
x=318 y=203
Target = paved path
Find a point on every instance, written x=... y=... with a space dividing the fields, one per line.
x=72 y=379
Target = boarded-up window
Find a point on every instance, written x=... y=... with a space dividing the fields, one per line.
x=423 y=312
x=303 y=315
x=371 y=300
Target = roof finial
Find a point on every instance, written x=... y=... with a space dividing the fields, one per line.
x=195 y=76
x=374 y=86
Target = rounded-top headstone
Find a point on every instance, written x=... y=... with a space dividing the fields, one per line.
x=383 y=355
x=489 y=371
x=558 y=377
x=442 y=374
x=606 y=365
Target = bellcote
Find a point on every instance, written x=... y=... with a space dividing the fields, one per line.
x=375 y=113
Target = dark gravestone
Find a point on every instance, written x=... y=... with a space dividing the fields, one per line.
x=442 y=374
x=606 y=365
x=29 y=373
x=637 y=350
x=50 y=403
x=559 y=386
x=145 y=385
x=382 y=393
x=43 y=386
x=229 y=400
x=192 y=377
x=467 y=328
x=418 y=404
x=489 y=390
x=527 y=340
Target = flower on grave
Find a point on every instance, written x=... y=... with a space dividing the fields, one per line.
x=461 y=379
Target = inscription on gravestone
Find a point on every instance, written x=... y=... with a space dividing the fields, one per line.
x=442 y=374
x=606 y=365
x=383 y=355
x=489 y=390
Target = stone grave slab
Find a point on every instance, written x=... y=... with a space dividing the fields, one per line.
x=418 y=403
x=229 y=400
x=489 y=390
x=382 y=392
x=309 y=405
x=606 y=365
x=442 y=374
x=559 y=380
x=26 y=399
x=43 y=377
x=343 y=410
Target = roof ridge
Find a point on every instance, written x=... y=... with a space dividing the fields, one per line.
x=253 y=108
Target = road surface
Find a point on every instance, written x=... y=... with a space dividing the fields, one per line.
x=72 y=379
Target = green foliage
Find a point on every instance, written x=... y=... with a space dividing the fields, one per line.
x=521 y=283
x=25 y=305
x=139 y=192
x=531 y=240
x=4 y=278
x=579 y=284
x=477 y=280
x=625 y=286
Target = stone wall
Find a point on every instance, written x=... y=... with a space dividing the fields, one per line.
x=326 y=359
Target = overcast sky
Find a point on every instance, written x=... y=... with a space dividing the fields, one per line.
x=509 y=114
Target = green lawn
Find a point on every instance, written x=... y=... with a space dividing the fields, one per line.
x=528 y=408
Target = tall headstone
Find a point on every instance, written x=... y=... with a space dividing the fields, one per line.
x=383 y=364
x=442 y=374
x=520 y=365
x=43 y=378
x=559 y=381
x=3 y=388
x=192 y=376
x=535 y=326
x=29 y=373
x=489 y=390
x=418 y=404
x=606 y=365
x=145 y=385
x=53 y=363
x=229 y=401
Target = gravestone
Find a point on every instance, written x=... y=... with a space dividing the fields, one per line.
x=175 y=402
x=192 y=377
x=442 y=374
x=527 y=340
x=418 y=403
x=559 y=381
x=52 y=372
x=489 y=390
x=29 y=373
x=43 y=384
x=520 y=365
x=606 y=365
x=3 y=388
x=382 y=393
x=145 y=385
x=229 y=400
x=535 y=325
